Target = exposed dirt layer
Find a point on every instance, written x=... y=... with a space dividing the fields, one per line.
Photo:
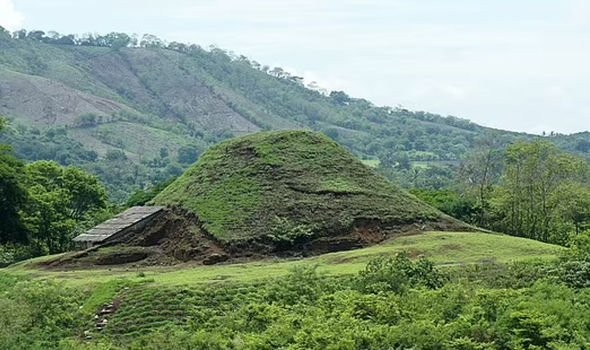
x=177 y=236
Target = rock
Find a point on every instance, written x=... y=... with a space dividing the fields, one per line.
x=215 y=259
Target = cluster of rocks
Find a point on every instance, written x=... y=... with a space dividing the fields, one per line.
x=101 y=319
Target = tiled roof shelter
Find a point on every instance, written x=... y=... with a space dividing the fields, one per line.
x=120 y=224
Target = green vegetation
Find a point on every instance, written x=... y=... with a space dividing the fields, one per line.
x=294 y=184
x=43 y=205
x=136 y=112
x=530 y=189
x=386 y=300
x=544 y=193
x=13 y=195
x=443 y=248
x=121 y=91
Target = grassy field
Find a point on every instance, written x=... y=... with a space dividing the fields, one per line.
x=444 y=248
x=265 y=302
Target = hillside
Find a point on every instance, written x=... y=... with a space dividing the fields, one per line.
x=149 y=111
x=443 y=248
x=293 y=187
x=311 y=303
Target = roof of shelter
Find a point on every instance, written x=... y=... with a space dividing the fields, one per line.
x=117 y=224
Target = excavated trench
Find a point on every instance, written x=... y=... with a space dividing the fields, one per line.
x=177 y=236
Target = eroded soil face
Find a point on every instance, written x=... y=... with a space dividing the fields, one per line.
x=177 y=236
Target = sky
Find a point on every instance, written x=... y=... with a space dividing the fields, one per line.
x=521 y=65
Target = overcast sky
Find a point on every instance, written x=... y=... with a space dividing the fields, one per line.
x=513 y=64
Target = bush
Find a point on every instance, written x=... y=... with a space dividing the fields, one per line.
x=302 y=285
x=498 y=275
x=12 y=253
x=397 y=274
x=285 y=233
x=574 y=266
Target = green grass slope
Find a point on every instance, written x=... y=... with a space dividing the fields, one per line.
x=443 y=248
x=275 y=304
x=289 y=185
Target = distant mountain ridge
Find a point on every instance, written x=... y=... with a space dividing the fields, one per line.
x=149 y=110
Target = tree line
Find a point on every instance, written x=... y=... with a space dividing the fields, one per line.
x=530 y=189
x=119 y=40
x=43 y=205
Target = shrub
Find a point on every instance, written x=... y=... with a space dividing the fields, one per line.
x=302 y=285
x=12 y=253
x=397 y=274
x=285 y=233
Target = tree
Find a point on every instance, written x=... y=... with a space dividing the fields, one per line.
x=4 y=34
x=176 y=46
x=480 y=171
x=69 y=39
x=188 y=154
x=449 y=202
x=117 y=40
x=86 y=120
x=583 y=146
x=85 y=192
x=572 y=203
x=13 y=196
x=340 y=97
x=115 y=155
x=163 y=152
x=151 y=41
x=19 y=34
x=527 y=198
x=403 y=161
x=37 y=35
x=59 y=199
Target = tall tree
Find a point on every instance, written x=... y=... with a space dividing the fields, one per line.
x=59 y=199
x=572 y=203
x=534 y=177
x=13 y=196
x=480 y=171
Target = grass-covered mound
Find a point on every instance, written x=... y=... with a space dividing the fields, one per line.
x=295 y=186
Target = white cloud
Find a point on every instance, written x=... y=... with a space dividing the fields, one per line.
x=581 y=13
x=10 y=18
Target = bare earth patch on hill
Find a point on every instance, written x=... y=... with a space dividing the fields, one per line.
x=176 y=236
x=45 y=102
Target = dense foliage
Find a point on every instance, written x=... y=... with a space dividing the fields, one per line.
x=529 y=189
x=43 y=205
x=393 y=303
x=13 y=196
x=544 y=193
